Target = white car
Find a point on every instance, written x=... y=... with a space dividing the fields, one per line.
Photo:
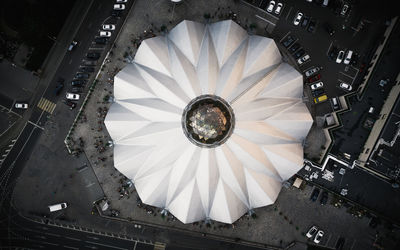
x=122 y=1
x=71 y=96
x=21 y=105
x=317 y=85
x=57 y=207
x=340 y=56
x=119 y=6
x=303 y=59
x=345 y=86
x=278 y=8
x=271 y=6
x=105 y=33
x=312 y=71
x=298 y=18
x=311 y=231
x=108 y=27
x=319 y=236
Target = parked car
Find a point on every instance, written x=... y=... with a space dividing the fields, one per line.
x=348 y=56
x=93 y=55
x=345 y=86
x=57 y=207
x=86 y=69
x=115 y=13
x=329 y=29
x=305 y=21
x=72 y=96
x=340 y=56
x=59 y=87
x=312 y=231
x=303 y=59
x=69 y=103
x=333 y=53
x=278 y=8
x=312 y=71
x=119 y=6
x=313 y=78
x=108 y=27
x=21 y=105
x=78 y=83
x=76 y=90
x=288 y=41
x=297 y=19
x=101 y=40
x=271 y=6
x=324 y=198
x=317 y=85
x=294 y=48
x=72 y=45
x=299 y=53
x=318 y=237
x=314 y=194
x=105 y=34
x=82 y=76
x=311 y=26
x=345 y=8
x=122 y=1
x=318 y=92
x=320 y=99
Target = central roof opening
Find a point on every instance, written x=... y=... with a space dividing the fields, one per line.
x=208 y=121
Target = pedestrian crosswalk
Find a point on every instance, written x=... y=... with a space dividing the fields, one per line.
x=46 y=105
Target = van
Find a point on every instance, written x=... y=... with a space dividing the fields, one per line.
x=334 y=102
x=371 y=110
x=348 y=57
x=321 y=98
x=57 y=207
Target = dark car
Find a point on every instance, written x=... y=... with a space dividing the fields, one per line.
x=86 y=69
x=101 y=40
x=299 y=53
x=82 y=76
x=318 y=92
x=340 y=243
x=333 y=53
x=324 y=198
x=305 y=21
x=314 y=194
x=76 y=90
x=288 y=41
x=294 y=47
x=311 y=25
x=116 y=13
x=354 y=60
x=329 y=29
x=60 y=86
x=313 y=78
x=78 y=83
x=69 y=103
x=93 y=55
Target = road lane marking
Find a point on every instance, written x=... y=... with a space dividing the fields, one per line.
x=104 y=245
x=46 y=105
x=268 y=21
x=71 y=238
x=34 y=124
x=70 y=247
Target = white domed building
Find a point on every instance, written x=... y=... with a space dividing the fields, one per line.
x=208 y=121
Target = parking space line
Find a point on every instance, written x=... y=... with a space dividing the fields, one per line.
x=287 y=16
x=268 y=21
x=340 y=72
x=94 y=48
x=329 y=48
x=284 y=36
